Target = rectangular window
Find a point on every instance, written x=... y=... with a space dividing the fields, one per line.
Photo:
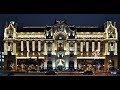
x=49 y=54
x=30 y=45
x=36 y=45
x=71 y=54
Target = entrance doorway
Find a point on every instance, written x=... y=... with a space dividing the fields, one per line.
x=49 y=65
x=60 y=64
x=71 y=65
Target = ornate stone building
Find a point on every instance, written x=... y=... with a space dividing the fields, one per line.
x=61 y=47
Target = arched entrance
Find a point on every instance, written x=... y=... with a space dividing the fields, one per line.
x=60 y=63
x=60 y=36
x=71 y=65
x=49 y=65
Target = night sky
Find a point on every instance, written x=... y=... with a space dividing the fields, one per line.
x=48 y=19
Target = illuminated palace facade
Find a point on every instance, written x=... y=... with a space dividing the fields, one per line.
x=61 y=47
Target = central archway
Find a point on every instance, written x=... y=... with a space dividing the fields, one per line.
x=60 y=36
x=60 y=63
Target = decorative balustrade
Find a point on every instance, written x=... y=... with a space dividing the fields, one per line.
x=90 y=36
x=89 y=54
x=30 y=35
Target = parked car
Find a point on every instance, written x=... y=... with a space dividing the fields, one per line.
x=2 y=73
x=50 y=72
x=88 y=73
x=81 y=71
x=115 y=71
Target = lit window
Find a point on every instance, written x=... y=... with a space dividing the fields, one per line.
x=47 y=33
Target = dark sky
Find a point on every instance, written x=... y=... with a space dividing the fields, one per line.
x=48 y=19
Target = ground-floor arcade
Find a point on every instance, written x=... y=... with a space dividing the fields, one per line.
x=103 y=64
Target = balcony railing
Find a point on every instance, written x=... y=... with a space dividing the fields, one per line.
x=89 y=54
x=24 y=54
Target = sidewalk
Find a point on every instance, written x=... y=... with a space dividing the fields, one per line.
x=58 y=74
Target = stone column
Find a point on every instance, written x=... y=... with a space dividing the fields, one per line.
x=81 y=48
x=14 y=48
x=98 y=46
x=106 y=48
x=67 y=63
x=27 y=43
x=5 y=48
x=45 y=64
x=55 y=45
x=53 y=62
x=33 y=47
x=39 y=45
x=87 y=47
x=22 y=48
x=115 y=53
x=75 y=63
x=45 y=49
x=93 y=47
x=67 y=48
x=53 y=48
x=75 y=48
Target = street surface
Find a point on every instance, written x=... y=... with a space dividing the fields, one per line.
x=60 y=74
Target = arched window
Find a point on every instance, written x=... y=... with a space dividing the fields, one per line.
x=111 y=32
x=60 y=37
